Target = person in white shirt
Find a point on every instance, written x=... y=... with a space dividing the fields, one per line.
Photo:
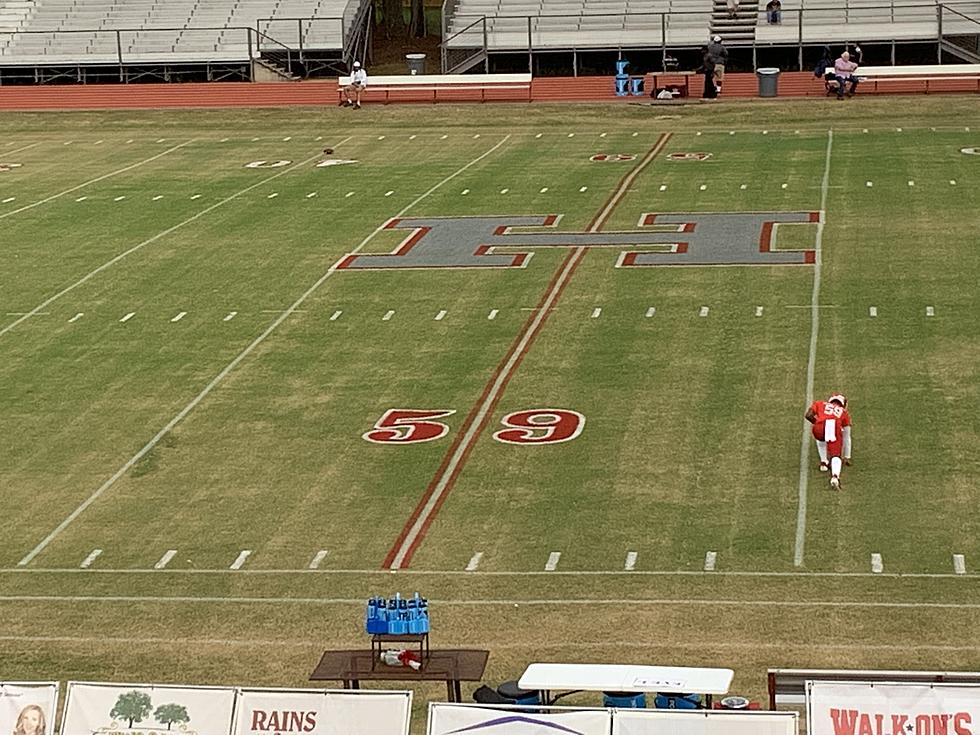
x=355 y=86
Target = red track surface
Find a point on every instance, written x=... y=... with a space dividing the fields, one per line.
x=545 y=89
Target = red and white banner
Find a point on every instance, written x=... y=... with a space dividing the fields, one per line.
x=147 y=709
x=28 y=708
x=448 y=719
x=322 y=712
x=865 y=708
x=703 y=722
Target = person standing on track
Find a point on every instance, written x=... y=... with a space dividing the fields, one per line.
x=832 y=432
x=718 y=55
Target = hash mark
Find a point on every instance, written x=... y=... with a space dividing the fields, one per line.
x=930 y=311
x=317 y=559
x=552 y=563
x=543 y=190
x=158 y=197
x=311 y=195
x=743 y=187
x=231 y=315
x=81 y=199
x=651 y=311
x=195 y=197
x=504 y=191
x=273 y=195
x=165 y=559
x=388 y=314
x=441 y=315
x=873 y=311
x=87 y=561
x=240 y=561
x=703 y=311
x=77 y=316
x=630 y=564
x=584 y=188
x=493 y=314
x=868 y=184
x=474 y=561
x=911 y=183
x=464 y=192
x=703 y=187
x=710 y=559
x=129 y=316
x=180 y=316
x=758 y=311
x=118 y=199
x=336 y=315
x=596 y=312
x=9 y=199
x=663 y=187
x=389 y=193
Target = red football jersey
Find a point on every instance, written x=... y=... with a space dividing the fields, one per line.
x=831 y=418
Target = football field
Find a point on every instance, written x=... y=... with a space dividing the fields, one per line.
x=546 y=365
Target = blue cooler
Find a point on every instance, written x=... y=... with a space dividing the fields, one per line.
x=636 y=86
x=622 y=78
x=677 y=701
x=510 y=690
x=624 y=700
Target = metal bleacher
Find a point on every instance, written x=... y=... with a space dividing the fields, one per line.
x=49 y=32
x=526 y=26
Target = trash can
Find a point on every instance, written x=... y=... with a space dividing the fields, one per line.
x=416 y=63
x=768 y=81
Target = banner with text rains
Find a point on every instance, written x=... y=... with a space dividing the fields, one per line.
x=703 y=722
x=864 y=708
x=28 y=708
x=147 y=709
x=447 y=719
x=322 y=712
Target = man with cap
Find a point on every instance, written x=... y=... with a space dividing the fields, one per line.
x=354 y=88
x=718 y=55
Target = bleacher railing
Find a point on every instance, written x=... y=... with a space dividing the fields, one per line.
x=465 y=48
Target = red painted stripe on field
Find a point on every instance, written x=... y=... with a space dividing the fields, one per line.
x=414 y=531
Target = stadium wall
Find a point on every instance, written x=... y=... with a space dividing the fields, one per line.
x=315 y=93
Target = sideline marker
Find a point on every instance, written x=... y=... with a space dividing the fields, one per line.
x=959 y=564
x=240 y=561
x=318 y=559
x=552 y=563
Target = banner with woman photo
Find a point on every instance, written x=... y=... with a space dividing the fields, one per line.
x=28 y=708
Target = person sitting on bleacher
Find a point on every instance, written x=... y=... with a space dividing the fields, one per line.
x=844 y=70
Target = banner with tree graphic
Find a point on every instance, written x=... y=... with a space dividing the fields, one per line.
x=321 y=712
x=147 y=709
x=28 y=708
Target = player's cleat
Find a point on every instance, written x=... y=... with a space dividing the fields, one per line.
x=824 y=466
x=835 y=483
x=357 y=105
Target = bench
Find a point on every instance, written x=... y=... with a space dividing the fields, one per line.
x=939 y=75
x=445 y=88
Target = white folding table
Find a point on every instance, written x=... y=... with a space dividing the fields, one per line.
x=569 y=678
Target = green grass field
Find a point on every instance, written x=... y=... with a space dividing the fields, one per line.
x=183 y=367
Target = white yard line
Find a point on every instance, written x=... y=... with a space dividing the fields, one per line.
x=749 y=574
x=96 y=180
x=70 y=518
x=617 y=643
x=21 y=149
x=811 y=361
x=193 y=218
x=476 y=602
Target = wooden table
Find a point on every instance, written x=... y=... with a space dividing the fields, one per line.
x=679 y=79
x=450 y=665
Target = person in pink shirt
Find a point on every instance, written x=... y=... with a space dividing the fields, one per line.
x=844 y=70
